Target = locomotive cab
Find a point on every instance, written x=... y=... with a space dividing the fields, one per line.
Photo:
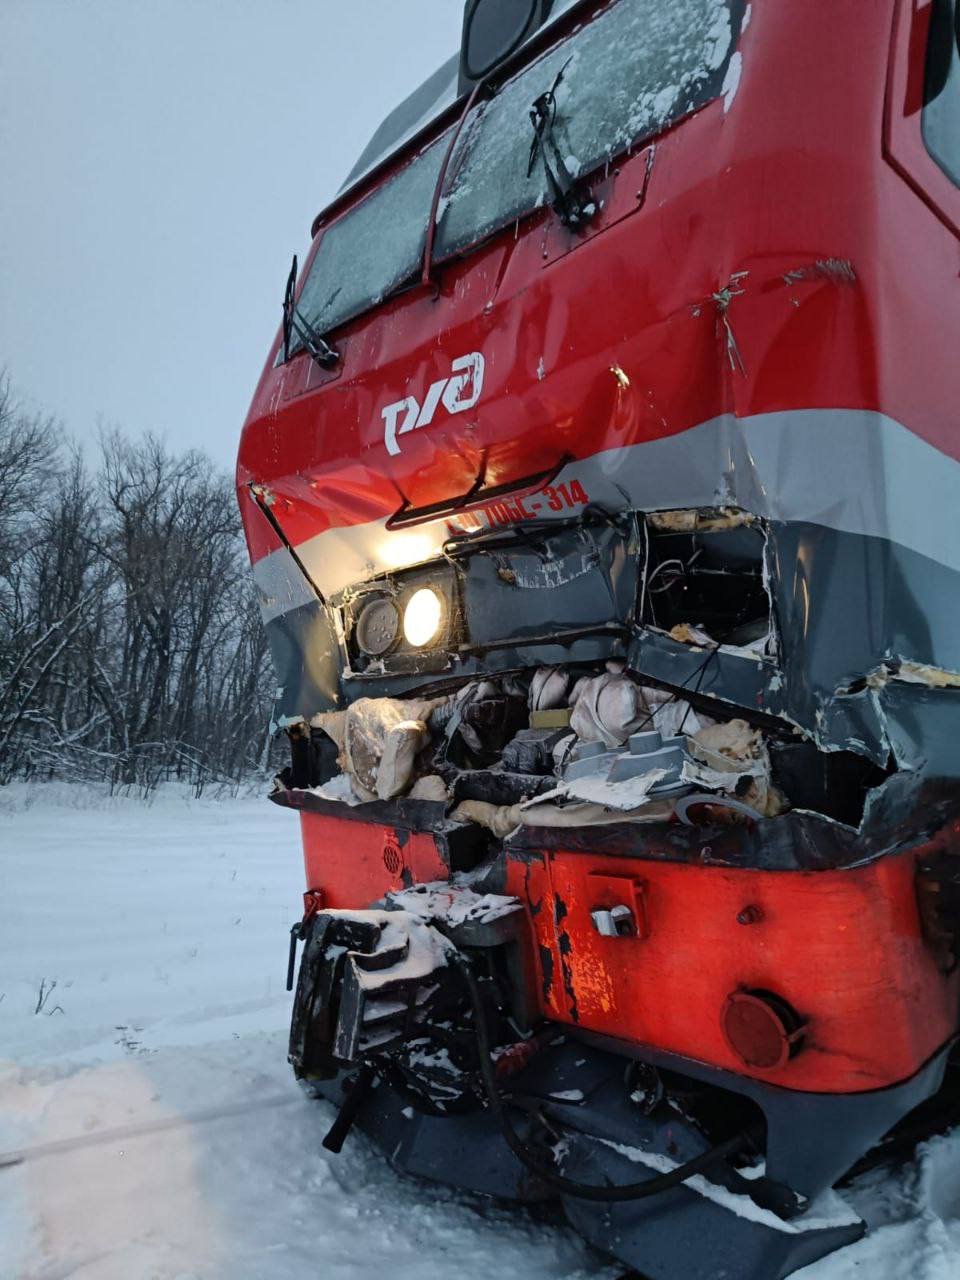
x=600 y=490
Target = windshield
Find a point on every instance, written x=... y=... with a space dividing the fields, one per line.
x=634 y=68
x=622 y=77
x=374 y=248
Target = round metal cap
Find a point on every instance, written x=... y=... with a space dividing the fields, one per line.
x=378 y=626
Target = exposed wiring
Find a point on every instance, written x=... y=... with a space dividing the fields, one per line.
x=646 y=564
x=666 y=564
x=697 y=674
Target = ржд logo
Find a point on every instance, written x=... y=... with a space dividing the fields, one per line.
x=457 y=394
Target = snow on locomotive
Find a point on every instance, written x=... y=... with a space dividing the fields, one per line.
x=601 y=491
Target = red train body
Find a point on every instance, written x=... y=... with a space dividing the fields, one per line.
x=594 y=315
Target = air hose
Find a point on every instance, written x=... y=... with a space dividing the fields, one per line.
x=567 y=1186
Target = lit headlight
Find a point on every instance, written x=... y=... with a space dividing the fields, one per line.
x=422 y=617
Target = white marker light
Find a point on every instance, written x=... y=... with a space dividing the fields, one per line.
x=422 y=617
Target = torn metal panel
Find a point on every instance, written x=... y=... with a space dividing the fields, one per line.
x=921 y=728
x=714 y=673
x=883 y=686
x=843 y=600
x=573 y=579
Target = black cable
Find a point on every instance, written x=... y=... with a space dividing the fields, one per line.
x=700 y=672
x=582 y=1190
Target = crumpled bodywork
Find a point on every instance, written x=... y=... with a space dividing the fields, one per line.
x=731 y=331
x=673 y=462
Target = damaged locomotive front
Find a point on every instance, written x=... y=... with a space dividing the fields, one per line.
x=616 y=643
x=655 y=903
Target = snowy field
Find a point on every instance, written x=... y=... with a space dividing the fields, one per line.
x=143 y=1080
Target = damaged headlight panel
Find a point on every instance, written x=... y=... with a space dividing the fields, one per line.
x=402 y=623
x=611 y=582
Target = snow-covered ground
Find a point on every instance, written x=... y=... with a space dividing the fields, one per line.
x=163 y=1135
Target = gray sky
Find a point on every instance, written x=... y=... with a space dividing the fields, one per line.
x=160 y=161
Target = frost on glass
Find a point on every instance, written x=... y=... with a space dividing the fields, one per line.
x=626 y=74
x=637 y=66
x=375 y=247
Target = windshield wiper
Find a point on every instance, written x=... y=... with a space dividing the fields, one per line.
x=573 y=201
x=295 y=322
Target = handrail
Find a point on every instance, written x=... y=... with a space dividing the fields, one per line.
x=476 y=496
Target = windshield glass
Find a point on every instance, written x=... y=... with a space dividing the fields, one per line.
x=637 y=66
x=374 y=248
x=634 y=68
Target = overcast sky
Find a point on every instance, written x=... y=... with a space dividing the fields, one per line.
x=160 y=161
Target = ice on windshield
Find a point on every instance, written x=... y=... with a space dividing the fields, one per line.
x=625 y=74
x=639 y=65
x=376 y=247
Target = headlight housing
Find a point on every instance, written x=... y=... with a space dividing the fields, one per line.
x=407 y=622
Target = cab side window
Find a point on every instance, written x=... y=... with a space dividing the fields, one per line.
x=941 y=99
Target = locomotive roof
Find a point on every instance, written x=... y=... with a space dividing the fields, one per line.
x=426 y=104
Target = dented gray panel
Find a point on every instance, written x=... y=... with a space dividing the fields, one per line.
x=571 y=580
x=850 y=610
x=863 y=567
x=851 y=470
x=921 y=726
x=308 y=662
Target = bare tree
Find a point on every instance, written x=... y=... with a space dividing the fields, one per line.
x=131 y=647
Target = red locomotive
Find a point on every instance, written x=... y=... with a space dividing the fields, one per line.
x=601 y=491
